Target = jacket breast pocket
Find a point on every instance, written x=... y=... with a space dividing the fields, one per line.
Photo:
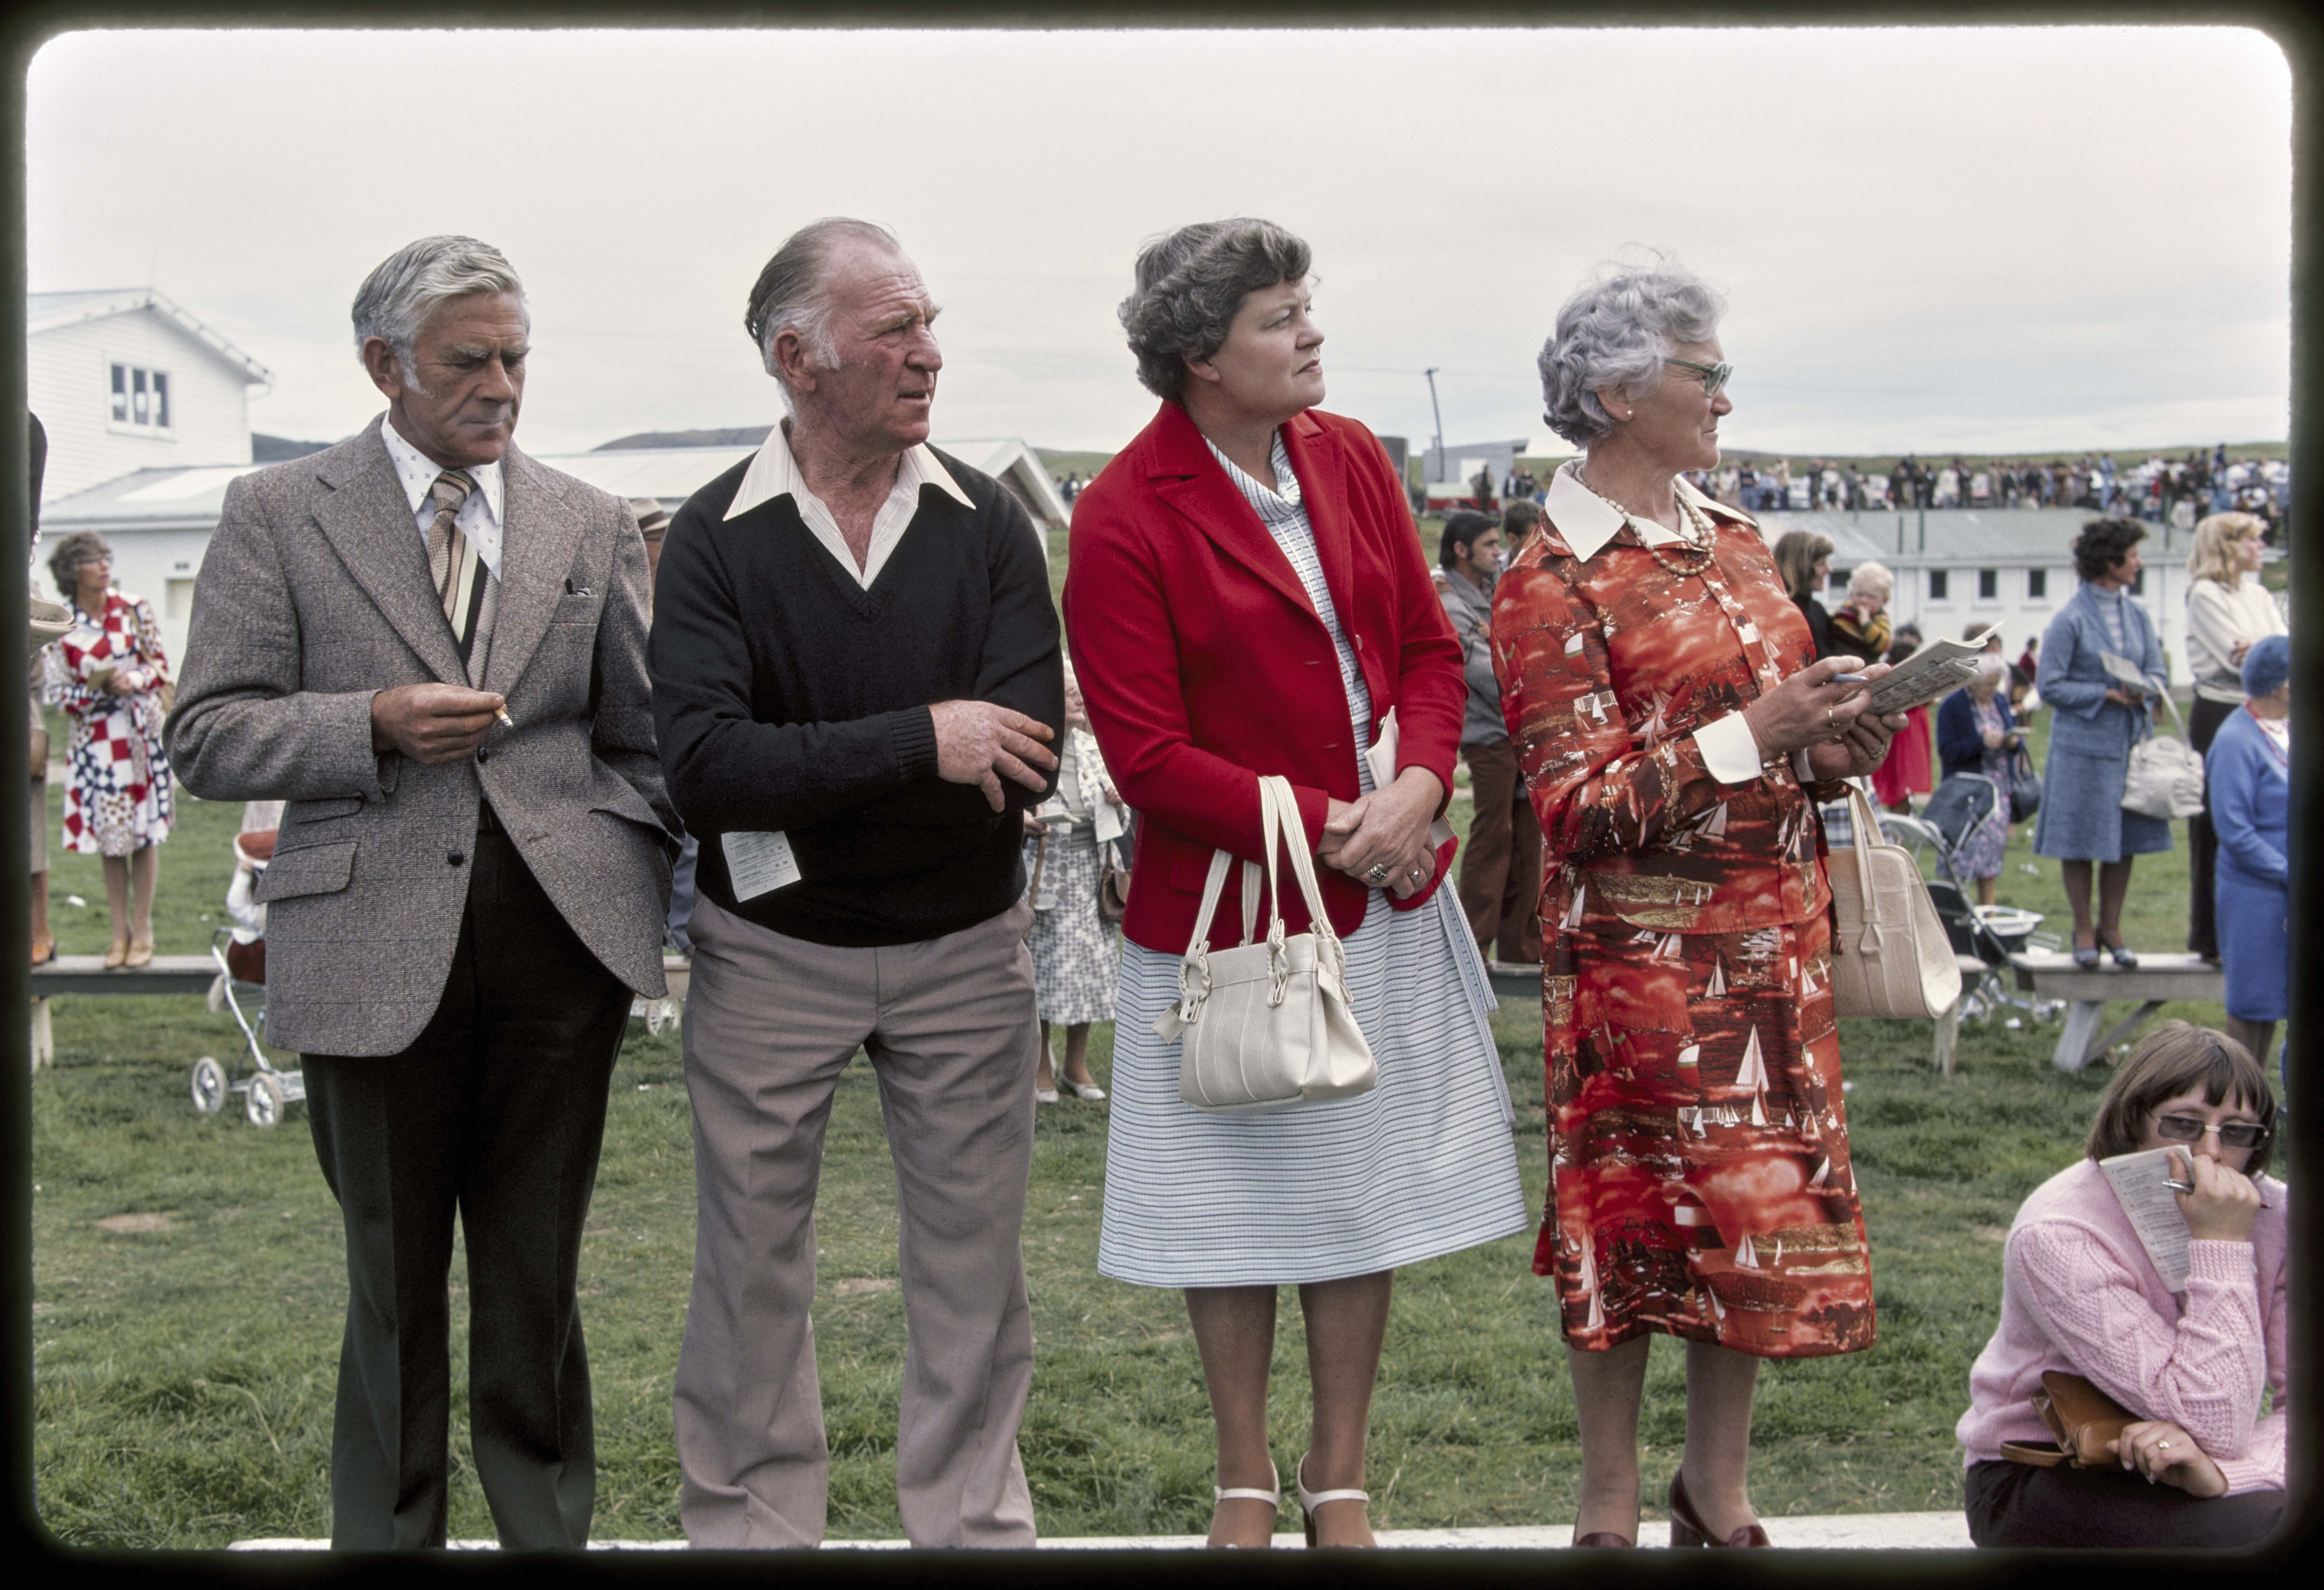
x=574 y=607
x=310 y=869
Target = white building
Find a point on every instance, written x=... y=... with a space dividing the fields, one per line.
x=2010 y=566
x=125 y=380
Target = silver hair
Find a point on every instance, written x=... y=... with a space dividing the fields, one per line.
x=1190 y=285
x=1990 y=665
x=1614 y=335
x=396 y=299
x=1870 y=577
x=793 y=292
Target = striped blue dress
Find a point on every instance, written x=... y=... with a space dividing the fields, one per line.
x=1421 y=1166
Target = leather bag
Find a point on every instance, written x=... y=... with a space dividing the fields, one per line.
x=1113 y=878
x=2082 y=1419
x=2165 y=779
x=2025 y=785
x=1890 y=954
x=1267 y=1025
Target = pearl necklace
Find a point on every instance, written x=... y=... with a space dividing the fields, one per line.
x=1696 y=532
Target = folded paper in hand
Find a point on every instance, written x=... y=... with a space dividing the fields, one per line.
x=1381 y=757
x=2140 y=1184
x=1938 y=668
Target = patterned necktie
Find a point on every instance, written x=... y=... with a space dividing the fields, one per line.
x=463 y=582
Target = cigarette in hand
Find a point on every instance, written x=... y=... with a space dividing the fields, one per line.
x=501 y=714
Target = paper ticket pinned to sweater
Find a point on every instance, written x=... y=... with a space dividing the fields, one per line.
x=2139 y=1182
x=757 y=863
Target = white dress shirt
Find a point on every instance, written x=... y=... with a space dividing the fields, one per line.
x=1586 y=521
x=479 y=518
x=774 y=473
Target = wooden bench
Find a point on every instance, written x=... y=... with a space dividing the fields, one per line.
x=2050 y=974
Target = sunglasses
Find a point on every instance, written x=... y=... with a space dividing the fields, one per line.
x=2191 y=1129
x=1714 y=376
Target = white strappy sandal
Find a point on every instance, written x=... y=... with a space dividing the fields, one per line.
x=1309 y=1500
x=1273 y=1498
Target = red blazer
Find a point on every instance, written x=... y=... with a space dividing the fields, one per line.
x=1204 y=665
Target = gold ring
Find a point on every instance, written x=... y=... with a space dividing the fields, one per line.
x=1830 y=721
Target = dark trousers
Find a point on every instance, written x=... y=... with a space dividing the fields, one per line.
x=1500 y=864
x=2017 y=1504
x=2203 y=839
x=495 y=1112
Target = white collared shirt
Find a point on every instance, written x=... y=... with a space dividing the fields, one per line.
x=774 y=473
x=479 y=519
x=1585 y=522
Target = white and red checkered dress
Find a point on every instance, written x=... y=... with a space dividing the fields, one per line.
x=117 y=797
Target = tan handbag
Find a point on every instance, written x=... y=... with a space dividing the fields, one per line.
x=1267 y=1025
x=1890 y=955
x=2082 y=1419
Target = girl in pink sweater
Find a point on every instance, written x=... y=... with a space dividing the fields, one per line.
x=2203 y=1465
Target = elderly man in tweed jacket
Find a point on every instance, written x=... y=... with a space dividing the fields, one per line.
x=434 y=649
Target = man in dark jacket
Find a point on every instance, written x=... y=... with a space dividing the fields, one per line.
x=1501 y=863
x=857 y=673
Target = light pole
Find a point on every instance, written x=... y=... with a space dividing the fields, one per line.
x=1431 y=373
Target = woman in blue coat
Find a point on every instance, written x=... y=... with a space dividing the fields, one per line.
x=2096 y=721
x=2248 y=771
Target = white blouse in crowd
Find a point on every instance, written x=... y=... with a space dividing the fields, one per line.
x=2218 y=616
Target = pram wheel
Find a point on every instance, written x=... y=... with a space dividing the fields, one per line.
x=662 y=1015
x=266 y=1101
x=209 y=1086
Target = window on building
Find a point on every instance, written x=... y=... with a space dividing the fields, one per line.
x=1989 y=585
x=1938 y=583
x=1836 y=580
x=2037 y=584
x=141 y=397
x=2138 y=583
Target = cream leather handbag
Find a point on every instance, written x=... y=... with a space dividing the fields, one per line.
x=1267 y=1025
x=1890 y=955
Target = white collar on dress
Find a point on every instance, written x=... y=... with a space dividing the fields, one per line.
x=1586 y=521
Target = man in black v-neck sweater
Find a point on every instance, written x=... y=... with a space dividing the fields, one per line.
x=856 y=665
x=788 y=697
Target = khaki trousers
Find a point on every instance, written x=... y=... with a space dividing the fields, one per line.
x=1501 y=863
x=770 y=1023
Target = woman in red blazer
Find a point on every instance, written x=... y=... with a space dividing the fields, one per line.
x=1245 y=595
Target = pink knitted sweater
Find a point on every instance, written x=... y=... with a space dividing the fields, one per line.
x=2079 y=1293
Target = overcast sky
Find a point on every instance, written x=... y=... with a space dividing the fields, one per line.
x=1957 y=239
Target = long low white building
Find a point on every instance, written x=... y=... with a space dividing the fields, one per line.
x=2010 y=566
x=159 y=521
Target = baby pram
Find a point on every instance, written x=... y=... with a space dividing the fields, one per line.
x=1963 y=803
x=240 y=952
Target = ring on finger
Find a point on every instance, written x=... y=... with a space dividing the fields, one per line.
x=1378 y=874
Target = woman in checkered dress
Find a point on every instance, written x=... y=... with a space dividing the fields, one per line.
x=107 y=673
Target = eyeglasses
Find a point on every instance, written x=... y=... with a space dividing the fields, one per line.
x=1714 y=376
x=2192 y=1129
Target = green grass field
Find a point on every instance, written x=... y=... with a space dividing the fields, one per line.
x=189 y=1286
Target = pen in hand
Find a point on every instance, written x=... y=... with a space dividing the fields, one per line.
x=2175 y=1185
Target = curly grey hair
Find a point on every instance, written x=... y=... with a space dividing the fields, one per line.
x=1614 y=335
x=64 y=563
x=396 y=299
x=793 y=292
x=1191 y=284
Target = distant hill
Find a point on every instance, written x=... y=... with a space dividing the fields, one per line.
x=266 y=449
x=733 y=435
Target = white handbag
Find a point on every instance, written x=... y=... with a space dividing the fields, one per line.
x=2165 y=778
x=1267 y=1025
x=1890 y=954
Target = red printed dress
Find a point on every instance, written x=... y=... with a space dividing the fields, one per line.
x=1699 y=1182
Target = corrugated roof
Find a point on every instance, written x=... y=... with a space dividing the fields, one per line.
x=1987 y=536
x=48 y=311
x=193 y=496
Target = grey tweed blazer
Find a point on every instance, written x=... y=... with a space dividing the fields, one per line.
x=314 y=595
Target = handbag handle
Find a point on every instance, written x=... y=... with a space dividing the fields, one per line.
x=1861 y=818
x=1303 y=865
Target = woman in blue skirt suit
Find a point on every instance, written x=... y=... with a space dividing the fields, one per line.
x=2097 y=718
x=2249 y=772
